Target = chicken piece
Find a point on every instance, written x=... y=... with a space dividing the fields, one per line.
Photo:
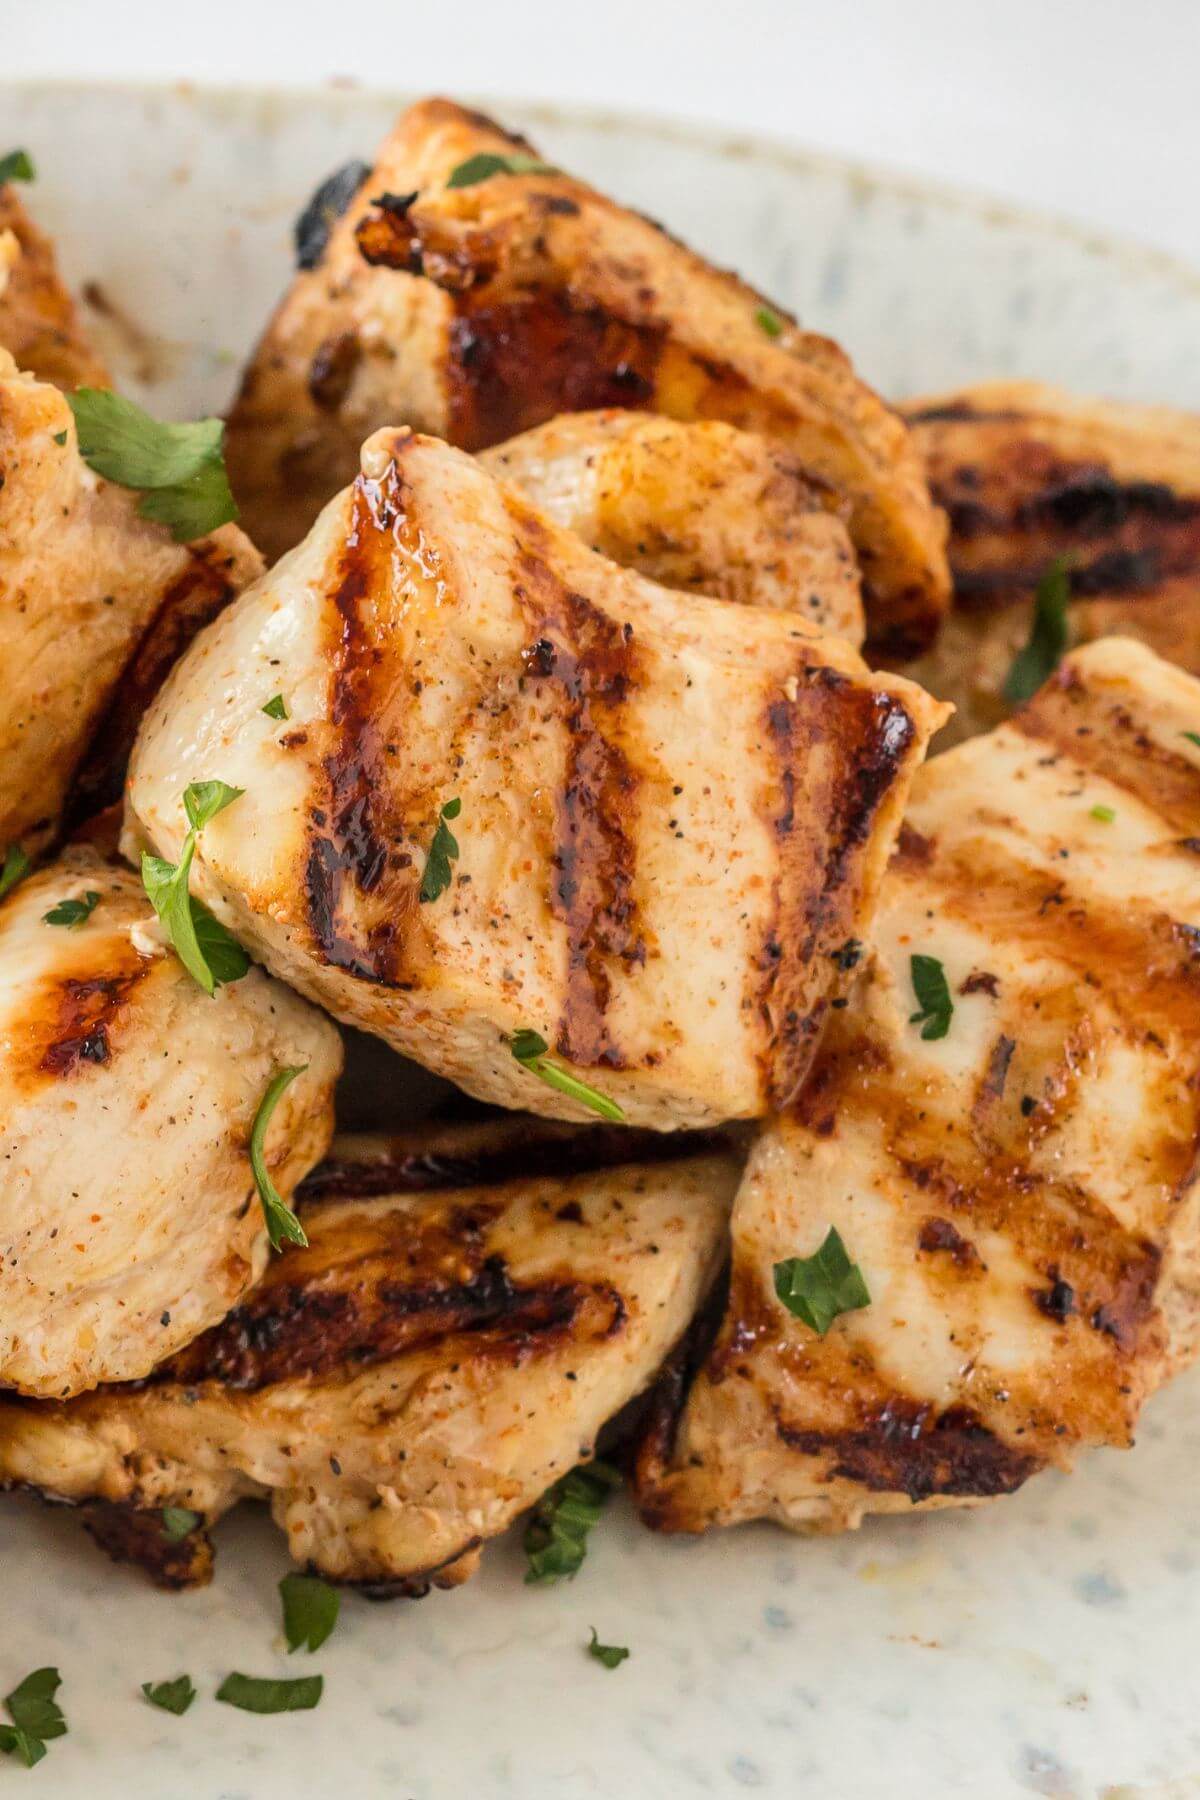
x=673 y=810
x=1028 y=473
x=93 y=601
x=478 y=311
x=39 y=325
x=1019 y=1193
x=418 y=1376
x=701 y=507
x=129 y=1220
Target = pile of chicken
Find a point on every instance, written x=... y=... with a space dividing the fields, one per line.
x=577 y=542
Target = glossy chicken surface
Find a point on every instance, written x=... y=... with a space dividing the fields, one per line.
x=1028 y=473
x=39 y=324
x=702 y=507
x=94 y=602
x=673 y=810
x=478 y=311
x=1019 y=1193
x=405 y=1387
x=129 y=1220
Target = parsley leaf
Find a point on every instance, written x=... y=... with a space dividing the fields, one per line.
x=283 y=1227
x=17 y=165
x=172 y=1696
x=179 y=467
x=443 y=850
x=178 y=1521
x=36 y=1717
x=276 y=707
x=486 y=164
x=529 y=1048
x=1049 y=635
x=818 y=1288
x=1193 y=737
x=259 y=1694
x=768 y=320
x=611 y=1655
x=557 y=1532
x=1105 y=814
x=73 y=913
x=210 y=954
x=203 y=800
x=16 y=868
x=310 y=1610
x=933 y=996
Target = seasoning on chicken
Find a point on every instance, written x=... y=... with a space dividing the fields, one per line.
x=129 y=1220
x=702 y=507
x=1006 y=1147
x=405 y=1387
x=525 y=797
x=471 y=300
x=39 y=324
x=1029 y=473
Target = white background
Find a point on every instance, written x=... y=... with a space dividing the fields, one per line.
x=1084 y=107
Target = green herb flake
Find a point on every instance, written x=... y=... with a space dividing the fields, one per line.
x=15 y=868
x=172 y=1696
x=557 y=1533
x=180 y=468
x=1105 y=814
x=178 y=1522
x=817 y=1289
x=310 y=1610
x=611 y=1655
x=530 y=1047
x=210 y=954
x=283 y=1227
x=1049 y=635
x=261 y=1694
x=36 y=1717
x=73 y=913
x=443 y=850
x=17 y=165
x=769 y=321
x=276 y=707
x=933 y=997
x=485 y=164
x=60 y=437
x=1193 y=737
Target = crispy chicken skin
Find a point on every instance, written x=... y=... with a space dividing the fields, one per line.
x=128 y=1214
x=702 y=507
x=417 y=1377
x=673 y=810
x=39 y=325
x=478 y=312
x=1020 y=1194
x=1027 y=473
x=93 y=600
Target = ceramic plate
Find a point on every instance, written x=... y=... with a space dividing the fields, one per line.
x=1045 y=1644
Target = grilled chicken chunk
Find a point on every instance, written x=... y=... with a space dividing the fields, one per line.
x=1027 y=473
x=94 y=601
x=701 y=507
x=39 y=325
x=129 y=1220
x=418 y=1376
x=478 y=311
x=1019 y=1193
x=673 y=811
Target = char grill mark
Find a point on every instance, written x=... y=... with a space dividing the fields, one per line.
x=133 y=1534
x=909 y=1447
x=81 y=1015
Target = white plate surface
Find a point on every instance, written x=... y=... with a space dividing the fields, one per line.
x=1047 y=1644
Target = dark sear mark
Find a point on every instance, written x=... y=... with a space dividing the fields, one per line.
x=940 y=1237
x=996 y=1074
x=327 y=205
x=85 y=1009
x=1057 y=1301
x=133 y=1534
x=332 y=370
x=909 y=1447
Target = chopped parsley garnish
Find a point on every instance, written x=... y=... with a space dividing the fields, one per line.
x=283 y=1227
x=819 y=1288
x=485 y=164
x=180 y=468
x=73 y=913
x=178 y=1521
x=36 y=1717
x=60 y=438
x=611 y=1655
x=261 y=1694
x=276 y=707
x=1193 y=737
x=172 y=1696
x=557 y=1533
x=443 y=850
x=933 y=997
x=210 y=954
x=1049 y=635
x=17 y=165
x=530 y=1047
x=769 y=321
x=15 y=868
x=1105 y=814
x=310 y=1610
